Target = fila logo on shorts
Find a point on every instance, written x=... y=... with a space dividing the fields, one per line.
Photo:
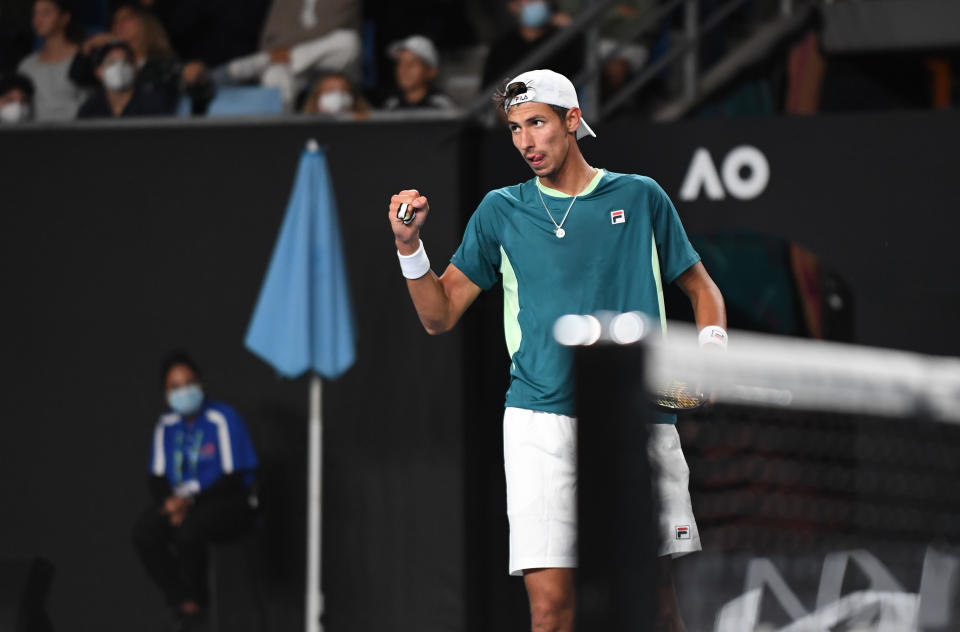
x=617 y=217
x=683 y=532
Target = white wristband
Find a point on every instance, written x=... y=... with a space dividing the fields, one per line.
x=187 y=489
x=713 y=335
x=416 y=265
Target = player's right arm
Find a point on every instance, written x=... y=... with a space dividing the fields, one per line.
x=439 y=301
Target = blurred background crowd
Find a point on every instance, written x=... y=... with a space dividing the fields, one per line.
x=67 y=59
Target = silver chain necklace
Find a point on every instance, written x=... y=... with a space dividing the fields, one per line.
x=558 y=228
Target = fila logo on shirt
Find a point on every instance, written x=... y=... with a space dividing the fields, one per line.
x=744 y=172
x=683 y=532
x=617 y=217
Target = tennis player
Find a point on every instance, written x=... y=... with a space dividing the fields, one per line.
x=574 y=239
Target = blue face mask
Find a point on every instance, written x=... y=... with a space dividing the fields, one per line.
x=535 y=14
x=186 y=400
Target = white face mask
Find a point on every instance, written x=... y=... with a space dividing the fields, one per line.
x=335 y=102
x=14 y=112
x=118 y=76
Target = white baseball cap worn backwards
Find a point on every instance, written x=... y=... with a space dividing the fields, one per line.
x=552 y=88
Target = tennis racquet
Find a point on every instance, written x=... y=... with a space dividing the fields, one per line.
x=678 y=397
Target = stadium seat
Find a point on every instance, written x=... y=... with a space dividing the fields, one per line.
x=239 y=101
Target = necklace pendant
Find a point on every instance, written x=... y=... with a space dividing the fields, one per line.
x=560 y=233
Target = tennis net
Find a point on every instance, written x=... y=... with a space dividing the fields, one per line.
x=825 y=478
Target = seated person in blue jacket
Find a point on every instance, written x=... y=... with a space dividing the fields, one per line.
x=201 y=475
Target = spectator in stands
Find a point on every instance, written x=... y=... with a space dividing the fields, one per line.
x=298 y=40
x=534 y=27
x=202 y=470
x=16 y=98
x=335 y=94
x=158 y=70
x=416 y=68
x=120 y=94
x=56 y=97
x=615 y=27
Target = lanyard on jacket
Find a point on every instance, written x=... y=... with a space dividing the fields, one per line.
x=191 y=453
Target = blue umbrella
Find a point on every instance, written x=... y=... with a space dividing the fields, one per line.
x=303 y=322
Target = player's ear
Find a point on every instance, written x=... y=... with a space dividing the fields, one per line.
x=573 y=119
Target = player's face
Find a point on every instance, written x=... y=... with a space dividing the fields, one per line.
x=541 y=137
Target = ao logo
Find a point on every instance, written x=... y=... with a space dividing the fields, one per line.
x=745 y=172
x=883 y=606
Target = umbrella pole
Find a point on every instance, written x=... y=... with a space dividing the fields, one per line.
x=314 y=460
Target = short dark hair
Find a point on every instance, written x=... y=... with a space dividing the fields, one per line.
x=74 y=32
x=65 y=6
x=508 y=90
x=176 y=358
x=112 y=46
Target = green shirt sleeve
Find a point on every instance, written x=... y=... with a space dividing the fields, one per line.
x=676 y=252
x=478 y=256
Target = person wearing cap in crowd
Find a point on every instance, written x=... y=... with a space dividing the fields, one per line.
x=16 y=99
x=120 y=96
x=621 y=54
x=416 y=68
x=574 y=239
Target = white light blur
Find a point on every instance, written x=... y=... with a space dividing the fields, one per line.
x=627 y=328
x=572 y=330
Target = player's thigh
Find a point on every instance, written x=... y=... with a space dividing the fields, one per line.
x=540 y=467
x=540 y=463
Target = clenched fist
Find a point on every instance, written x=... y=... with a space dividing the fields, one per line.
x=407 y=236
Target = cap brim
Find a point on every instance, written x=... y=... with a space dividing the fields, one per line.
x=584 y=130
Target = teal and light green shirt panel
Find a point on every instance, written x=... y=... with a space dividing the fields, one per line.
x=620 y=230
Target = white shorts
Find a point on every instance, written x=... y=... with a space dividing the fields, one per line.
x=540 y=463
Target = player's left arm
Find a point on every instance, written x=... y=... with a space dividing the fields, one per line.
x=704 y=295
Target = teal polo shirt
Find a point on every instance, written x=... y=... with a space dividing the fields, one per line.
x=622 y=236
